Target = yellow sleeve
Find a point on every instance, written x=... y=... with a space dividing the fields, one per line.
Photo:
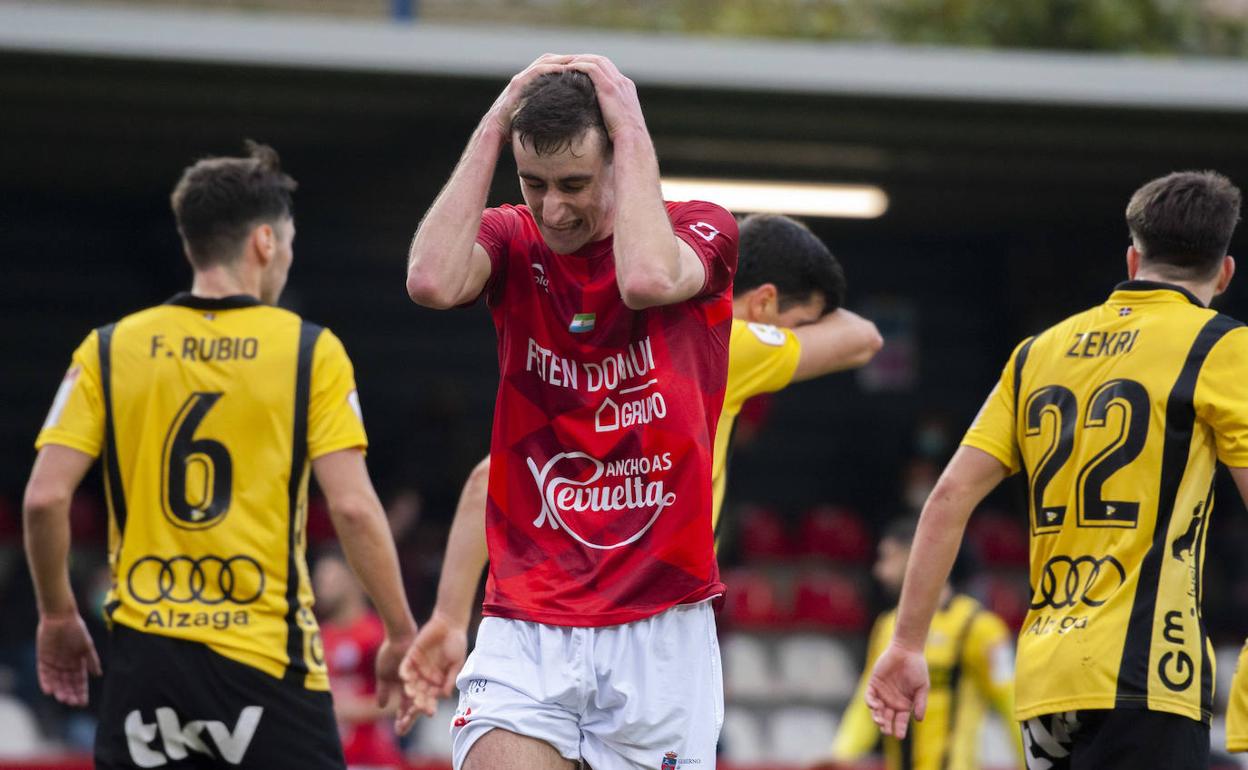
x=1221 y=396
x=761 y=359
x=334 y=418
x=857 y=734
x=76 y=419
x=990 y=661
x=994 y=428
x=1237 y=709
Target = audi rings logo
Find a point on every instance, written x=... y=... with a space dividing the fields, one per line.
x=206 y=580
x=1067 y=581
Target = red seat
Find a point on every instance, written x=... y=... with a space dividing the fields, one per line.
x=835 y=532
x=1000 y=540
x=763 y=534
x=826 y=599
x=88 y=520
x=752 y=600
x=1006 y=595
x=320 y=525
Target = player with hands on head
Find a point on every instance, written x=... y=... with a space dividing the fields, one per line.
x=613 y=312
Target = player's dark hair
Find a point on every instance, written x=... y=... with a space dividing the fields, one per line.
x=901 y=530
x=782 y=251
x=219 y=200
x=555 y=110
x=1184 y=221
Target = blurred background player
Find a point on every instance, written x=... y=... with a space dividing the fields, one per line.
x=788 y=325
x=970 y=654
x=207 y=412
x=613 y=311
x=352 y=635
x=1119 y=416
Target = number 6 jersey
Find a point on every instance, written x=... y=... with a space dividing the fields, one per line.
x=1118 y=416
x=206 y=413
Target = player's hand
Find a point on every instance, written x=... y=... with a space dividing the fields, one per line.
x=389 y=659
x=65 y=655
x=897 y=688
x=617 y=95
x=433 y=661
x=505 y=106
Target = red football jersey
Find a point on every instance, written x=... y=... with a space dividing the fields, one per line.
x=600 y=483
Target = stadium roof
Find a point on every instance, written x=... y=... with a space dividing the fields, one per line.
x=321 y=43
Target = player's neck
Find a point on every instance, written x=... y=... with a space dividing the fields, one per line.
x=1202 y=290
x=219 y=281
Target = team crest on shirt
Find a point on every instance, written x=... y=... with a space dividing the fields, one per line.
x=602 y=505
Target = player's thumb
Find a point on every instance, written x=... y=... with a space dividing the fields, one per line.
x=920 y=703
x=383 y=693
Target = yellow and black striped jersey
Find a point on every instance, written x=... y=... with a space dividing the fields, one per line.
x=206 y=413
x=1237 y=708
x=1118 y=416
x=971 y=664
x=761 y=359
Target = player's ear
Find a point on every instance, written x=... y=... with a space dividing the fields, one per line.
x=1226 y=274
x=1133 y=261
x=763 y=303
x=265 y=242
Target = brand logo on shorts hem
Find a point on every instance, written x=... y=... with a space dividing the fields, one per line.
x=180 y=740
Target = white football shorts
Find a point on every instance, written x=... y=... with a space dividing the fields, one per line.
x=647 y=694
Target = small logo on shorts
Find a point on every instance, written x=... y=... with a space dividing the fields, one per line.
x=669 y=761
x=462 y=719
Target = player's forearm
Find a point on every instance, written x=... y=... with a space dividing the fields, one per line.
x=970 y=475
x=45 y=520
x=838 y=341
x=466 y=553
x=439 y=264
x=369 y=548
x=647 y=257
x=862 y=339
x=931 y=559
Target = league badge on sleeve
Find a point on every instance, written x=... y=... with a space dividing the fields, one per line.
x=669 y=761
x=767 y=334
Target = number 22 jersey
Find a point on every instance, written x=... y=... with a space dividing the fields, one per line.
x=599 y=509
x=1118 y=417
x=206 y=413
